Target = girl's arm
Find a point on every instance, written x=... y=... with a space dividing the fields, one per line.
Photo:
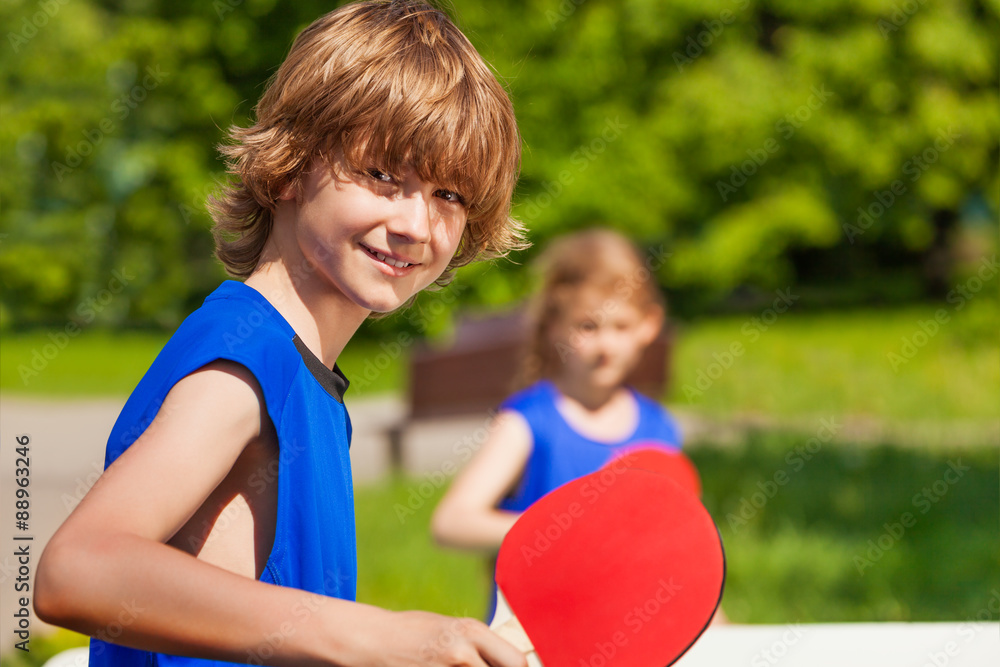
x=467 y=516
x=107 y=571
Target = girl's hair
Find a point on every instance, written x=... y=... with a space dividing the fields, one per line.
x=386 y=84
x=597 y=259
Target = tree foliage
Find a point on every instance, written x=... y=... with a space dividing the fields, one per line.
x=761 y=143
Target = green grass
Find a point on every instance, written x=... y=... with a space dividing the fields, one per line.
x=374 y=369
x=793 y=559
x=793 y=550
x=106 y=363
x=804 y=365
x=832 y=544
x=400 y=567
x=808 y=365
x=93 y=363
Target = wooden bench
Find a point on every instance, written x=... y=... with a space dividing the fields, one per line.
x=474 y=372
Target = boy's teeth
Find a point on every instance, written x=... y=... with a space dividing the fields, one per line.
x=390 y=261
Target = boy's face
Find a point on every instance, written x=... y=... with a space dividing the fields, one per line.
x=600 y=337
x=376 y=238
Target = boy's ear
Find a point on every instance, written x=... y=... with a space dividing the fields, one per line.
x=290 y=191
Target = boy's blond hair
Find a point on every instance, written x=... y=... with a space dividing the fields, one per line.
x=388 y=84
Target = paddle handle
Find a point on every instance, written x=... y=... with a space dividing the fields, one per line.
x=507 y=627
x=514 y=633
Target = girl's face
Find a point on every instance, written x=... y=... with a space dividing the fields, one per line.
x=600 y=337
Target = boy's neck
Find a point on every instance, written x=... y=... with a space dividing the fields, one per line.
x=324 y=319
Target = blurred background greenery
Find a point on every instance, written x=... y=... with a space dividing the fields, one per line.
x=845 y=151
x=742 y=136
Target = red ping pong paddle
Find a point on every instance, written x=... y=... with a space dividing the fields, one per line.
x=651 y=456
x=621 y=566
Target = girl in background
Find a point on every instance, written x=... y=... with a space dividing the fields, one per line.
x=597 y=311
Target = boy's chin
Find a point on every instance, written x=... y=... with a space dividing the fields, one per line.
x=381 y=307
x=394 y=302
x=386 y=305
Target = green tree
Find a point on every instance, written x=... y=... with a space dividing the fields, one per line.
x=760 y=144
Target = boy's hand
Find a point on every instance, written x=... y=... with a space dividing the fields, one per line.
x=419 y=637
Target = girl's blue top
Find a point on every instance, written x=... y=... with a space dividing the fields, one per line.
x=560 y=454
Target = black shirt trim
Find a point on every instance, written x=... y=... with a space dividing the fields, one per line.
x=332 y=380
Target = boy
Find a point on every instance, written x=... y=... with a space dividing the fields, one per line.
x=384 y=154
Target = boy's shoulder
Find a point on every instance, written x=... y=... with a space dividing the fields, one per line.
x=234 y=323
x=237 y=323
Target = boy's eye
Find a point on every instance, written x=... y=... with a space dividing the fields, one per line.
x=379 y=175
x=451 y=196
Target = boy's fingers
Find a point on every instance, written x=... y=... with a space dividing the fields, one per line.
x=497 y=652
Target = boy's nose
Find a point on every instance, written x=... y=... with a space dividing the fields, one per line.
x=412 y=219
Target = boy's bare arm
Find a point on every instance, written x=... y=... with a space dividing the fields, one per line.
x=108 y=570
x=467 y=516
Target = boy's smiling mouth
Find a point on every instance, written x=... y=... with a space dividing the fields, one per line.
x=394 y=262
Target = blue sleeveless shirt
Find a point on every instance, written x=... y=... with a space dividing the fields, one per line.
x=559 y=454
x=314 y=544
